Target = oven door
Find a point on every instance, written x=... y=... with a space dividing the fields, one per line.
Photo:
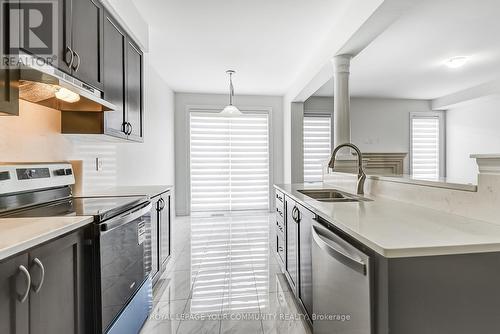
x=125 y=259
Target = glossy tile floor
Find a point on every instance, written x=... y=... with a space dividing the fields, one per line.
x=223 y=278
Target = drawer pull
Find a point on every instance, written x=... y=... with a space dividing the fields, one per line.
x=280 y=212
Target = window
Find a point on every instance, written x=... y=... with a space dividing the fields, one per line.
x=317 y=145
x=427 y=147
x=229 y=160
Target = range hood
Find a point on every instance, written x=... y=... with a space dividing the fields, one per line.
x=45 y=85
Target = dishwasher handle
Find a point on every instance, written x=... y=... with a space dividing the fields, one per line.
x=334 y=249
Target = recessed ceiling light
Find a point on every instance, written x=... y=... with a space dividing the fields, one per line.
x=456 y=62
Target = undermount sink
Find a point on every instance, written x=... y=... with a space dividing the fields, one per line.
x=331 y=195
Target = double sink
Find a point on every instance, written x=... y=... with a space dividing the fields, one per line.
x=331 y=195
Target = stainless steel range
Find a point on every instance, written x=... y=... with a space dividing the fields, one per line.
x=119 y=241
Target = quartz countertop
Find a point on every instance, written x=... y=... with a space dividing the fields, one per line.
x=396 y=229
x=20 y=234
x=150 y=191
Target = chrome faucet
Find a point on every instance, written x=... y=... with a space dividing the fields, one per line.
x=361 y=172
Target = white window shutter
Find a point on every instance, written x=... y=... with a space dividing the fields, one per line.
x=229 y=160
x=425 y=147
x=317 y=146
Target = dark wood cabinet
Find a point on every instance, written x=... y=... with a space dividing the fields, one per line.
x=54 y=279
x=64 y=53
x=292 y=244
x=87 y=43
x=56 y=302
x=155 y=242
x=14 y=311
x=115 y=41
x=80 y=42
x=9 y=94
x=165 y=229
x=123 y=83
x=134 y=98
x=160 y=217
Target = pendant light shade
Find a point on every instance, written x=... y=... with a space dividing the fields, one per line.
x=230 y=110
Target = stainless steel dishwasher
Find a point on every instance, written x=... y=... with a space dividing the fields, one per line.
x=341 y=285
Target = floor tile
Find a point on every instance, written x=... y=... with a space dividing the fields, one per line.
x=241 y=327
x=165 y=318
x=223 y=277
x=177 y=285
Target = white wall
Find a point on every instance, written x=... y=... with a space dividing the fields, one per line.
x=377 y=124
x=472 y=127
x=151 y=162
x=184 y=100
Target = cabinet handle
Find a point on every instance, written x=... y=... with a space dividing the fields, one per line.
x=296 y=214
x=127 y=128
x=70 y=62
x=27 y=277
x=39 y=264
x=161 y=204
x=280 y=249
x=75 y=68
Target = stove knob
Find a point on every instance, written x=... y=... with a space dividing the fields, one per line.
x=60 y=172
x=69 y=171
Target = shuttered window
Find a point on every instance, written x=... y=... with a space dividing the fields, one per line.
x=317 y=146
x=425 y=146
x=229 y=162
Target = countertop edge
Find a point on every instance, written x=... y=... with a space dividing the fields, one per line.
x=393 y=253
x=44 y=237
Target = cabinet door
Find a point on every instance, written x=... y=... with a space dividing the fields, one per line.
x=64 y=54
x=56 y=301
x=87 y=22
x=114 y=77
x=292 y=251
x=14 y=313
x=165 y=230
x=305 y=263
x=155 y=244
x=134 y=90
x=9 y=93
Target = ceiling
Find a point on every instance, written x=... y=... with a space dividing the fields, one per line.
x=406 y=61
x=193 y=42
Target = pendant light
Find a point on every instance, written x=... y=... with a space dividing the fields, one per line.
x=230 y=110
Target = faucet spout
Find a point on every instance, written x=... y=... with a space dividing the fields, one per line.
x=361 y=172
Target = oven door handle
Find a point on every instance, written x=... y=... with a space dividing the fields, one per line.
x=125 y=218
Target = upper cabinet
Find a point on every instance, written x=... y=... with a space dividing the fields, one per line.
x=115 y=40
x=86 y=41
x=123 y=83
x=134 y=91
x=116 y=63
x=79 y=44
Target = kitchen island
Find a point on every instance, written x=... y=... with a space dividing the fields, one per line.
x=395 y=265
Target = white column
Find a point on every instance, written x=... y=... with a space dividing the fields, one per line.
x=341 y=100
